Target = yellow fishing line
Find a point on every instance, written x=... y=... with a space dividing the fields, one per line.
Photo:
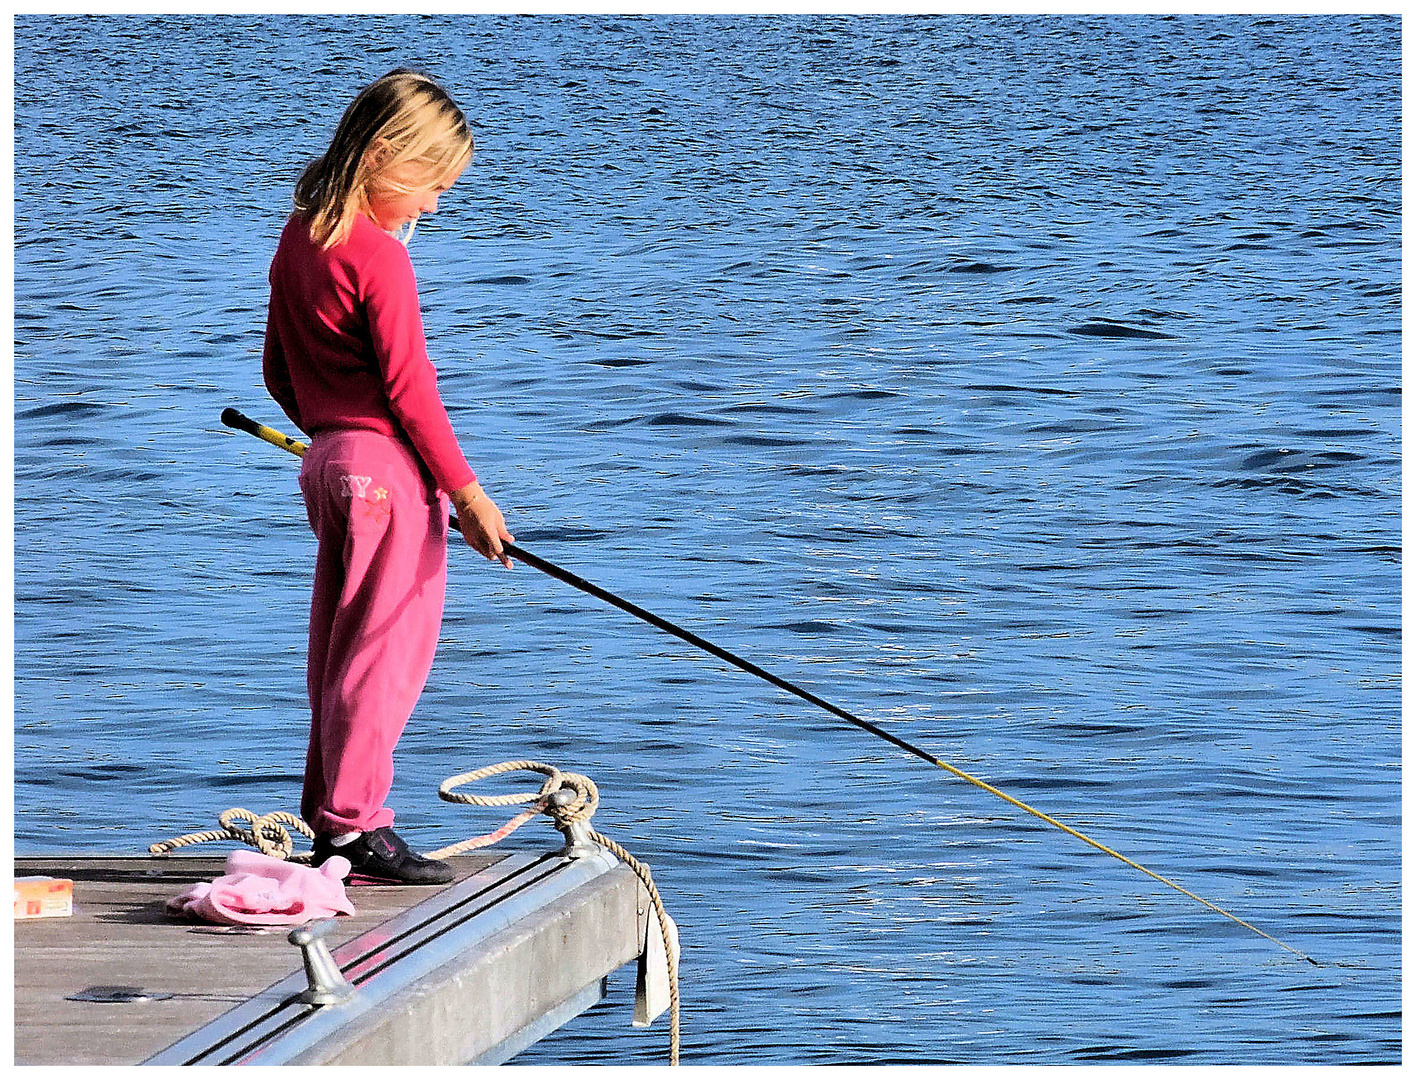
x=235 y=419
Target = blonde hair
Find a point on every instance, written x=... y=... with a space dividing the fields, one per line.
x=401 y=125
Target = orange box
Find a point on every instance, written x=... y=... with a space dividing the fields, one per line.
x=43 y=897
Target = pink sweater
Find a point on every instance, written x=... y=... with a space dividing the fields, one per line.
x=344 y=345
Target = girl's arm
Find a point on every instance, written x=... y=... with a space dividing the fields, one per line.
x=390 y=297
x=410 y=380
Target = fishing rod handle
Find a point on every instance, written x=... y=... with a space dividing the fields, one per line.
x=235 y=418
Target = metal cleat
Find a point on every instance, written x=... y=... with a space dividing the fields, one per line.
x=328 y=986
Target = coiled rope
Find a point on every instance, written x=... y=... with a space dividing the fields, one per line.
x=269 y=834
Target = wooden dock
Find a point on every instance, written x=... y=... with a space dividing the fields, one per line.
x=466 y=973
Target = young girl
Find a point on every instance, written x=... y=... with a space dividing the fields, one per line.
x=346 y=359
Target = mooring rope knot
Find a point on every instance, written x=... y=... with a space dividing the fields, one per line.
x=268 y=834
x=584 y=800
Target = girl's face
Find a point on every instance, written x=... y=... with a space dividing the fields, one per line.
x=391 y=208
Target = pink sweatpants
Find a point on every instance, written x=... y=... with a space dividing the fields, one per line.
x=380 y=576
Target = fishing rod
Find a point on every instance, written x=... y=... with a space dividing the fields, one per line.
x=235 y=419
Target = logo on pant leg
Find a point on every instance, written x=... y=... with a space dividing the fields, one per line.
x=354 y=486
x=366 y=504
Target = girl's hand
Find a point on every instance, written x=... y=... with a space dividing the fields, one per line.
x=483 y=526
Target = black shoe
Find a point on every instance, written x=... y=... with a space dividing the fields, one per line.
x=383 y=856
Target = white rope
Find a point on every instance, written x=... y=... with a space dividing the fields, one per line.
x=268 y=834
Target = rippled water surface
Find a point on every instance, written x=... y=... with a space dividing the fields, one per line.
x=1028 y=386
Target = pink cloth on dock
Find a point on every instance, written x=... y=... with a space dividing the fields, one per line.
x=258 y=890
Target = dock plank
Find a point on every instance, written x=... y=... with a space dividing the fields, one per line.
x=120 y=936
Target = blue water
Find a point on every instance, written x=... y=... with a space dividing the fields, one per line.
x=1028 y=386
